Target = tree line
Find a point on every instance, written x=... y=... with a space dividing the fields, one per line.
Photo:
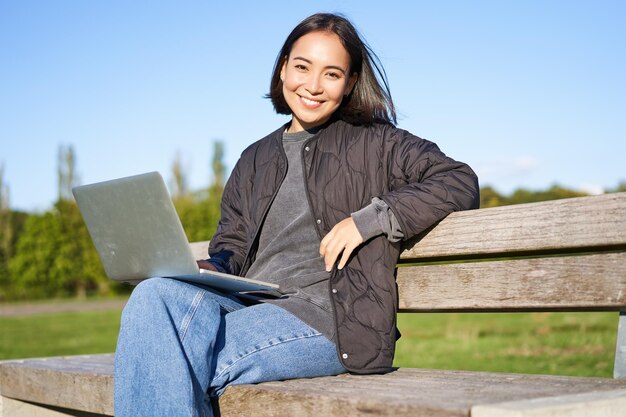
x=50 y=254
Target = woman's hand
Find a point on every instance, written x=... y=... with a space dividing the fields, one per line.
x=204 y=264
x=344 y=237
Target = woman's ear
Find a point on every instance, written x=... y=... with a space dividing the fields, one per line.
x=283 y=69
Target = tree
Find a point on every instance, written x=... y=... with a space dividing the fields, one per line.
x=30 y=269
x=6 y=233
x=555 y=192
x=216 y=189
x=218 y=164
x=179 y=183
x=55 y=255
x=621 y=187
x=76 y=261
x=66 y=171
x=70 y=250
x=489 y=197
x=199 y=212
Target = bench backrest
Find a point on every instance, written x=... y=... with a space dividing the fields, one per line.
x=559 y=255
x=562 y=255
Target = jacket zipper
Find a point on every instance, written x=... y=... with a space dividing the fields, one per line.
x=306 y=186
x=334 y=271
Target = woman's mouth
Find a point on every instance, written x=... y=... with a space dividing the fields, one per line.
x=309 y=103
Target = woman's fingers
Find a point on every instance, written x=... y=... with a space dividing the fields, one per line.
x=331 y=251
x=203 y=264
x=344 y=237
x=345 y=256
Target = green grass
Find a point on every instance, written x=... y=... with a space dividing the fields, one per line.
x=59 y=334
x=548 y=343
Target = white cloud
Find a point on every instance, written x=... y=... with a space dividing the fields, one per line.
x=507 y=168
x=592 y=189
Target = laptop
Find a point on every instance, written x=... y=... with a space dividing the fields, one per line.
x=138 y=235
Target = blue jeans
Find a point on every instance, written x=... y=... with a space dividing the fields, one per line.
x=181 y=343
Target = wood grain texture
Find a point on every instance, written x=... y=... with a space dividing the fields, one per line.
x=16 y=408
x=85 y=383
x=583 y=222
x=604 y=403
x=200 y=250
x=594 y=282
x=405 y=392
x=82 y=383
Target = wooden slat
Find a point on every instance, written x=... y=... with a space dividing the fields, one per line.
x=200 y=250
x=16 y=408
x=560 y=225
x=605 y=404
x=594 y=282
x=406 y=392
x=82 y=383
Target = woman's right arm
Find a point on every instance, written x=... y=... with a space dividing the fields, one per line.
x=229 y=244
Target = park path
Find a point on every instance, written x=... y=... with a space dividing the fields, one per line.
x=27 y=309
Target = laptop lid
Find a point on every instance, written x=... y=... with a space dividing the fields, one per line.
x=135 y=228
x=137 y=233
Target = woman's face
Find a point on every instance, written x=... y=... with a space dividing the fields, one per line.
x=315 y=79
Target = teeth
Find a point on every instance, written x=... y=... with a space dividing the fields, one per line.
x=308 y=101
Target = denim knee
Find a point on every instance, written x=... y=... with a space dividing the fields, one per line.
x=153 y=287
x=145 y=294
x=174 y=297
x=160 y=299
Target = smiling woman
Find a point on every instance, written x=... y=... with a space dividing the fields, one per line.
x=316 y=77
x=319 y=207
x=325 y=49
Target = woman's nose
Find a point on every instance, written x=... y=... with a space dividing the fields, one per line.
x=314 y=86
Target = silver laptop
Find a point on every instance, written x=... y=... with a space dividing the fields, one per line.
x=138 y=235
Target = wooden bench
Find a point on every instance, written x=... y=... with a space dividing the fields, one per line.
x=565 y=255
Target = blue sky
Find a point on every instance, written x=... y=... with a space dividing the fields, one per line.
x=529 y=93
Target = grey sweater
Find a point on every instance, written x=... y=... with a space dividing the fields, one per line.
x=288 y=252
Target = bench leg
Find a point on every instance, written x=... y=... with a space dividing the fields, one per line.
x=619 y=370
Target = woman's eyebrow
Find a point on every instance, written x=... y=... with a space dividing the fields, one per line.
x=308 y=61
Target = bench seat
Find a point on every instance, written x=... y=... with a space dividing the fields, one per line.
x=85 y=383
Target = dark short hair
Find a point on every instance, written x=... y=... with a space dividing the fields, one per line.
x=370 y=100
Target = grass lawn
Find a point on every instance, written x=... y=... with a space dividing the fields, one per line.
x=58 y=334
x=548 y=343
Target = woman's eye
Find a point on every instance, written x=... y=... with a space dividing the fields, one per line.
x=333 y=75
x=300 y=67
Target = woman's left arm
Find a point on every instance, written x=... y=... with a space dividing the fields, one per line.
x=425 y=184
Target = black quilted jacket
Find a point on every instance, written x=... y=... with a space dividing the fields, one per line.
x=345 y=166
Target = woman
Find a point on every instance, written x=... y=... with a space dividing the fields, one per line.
x=321 y=207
